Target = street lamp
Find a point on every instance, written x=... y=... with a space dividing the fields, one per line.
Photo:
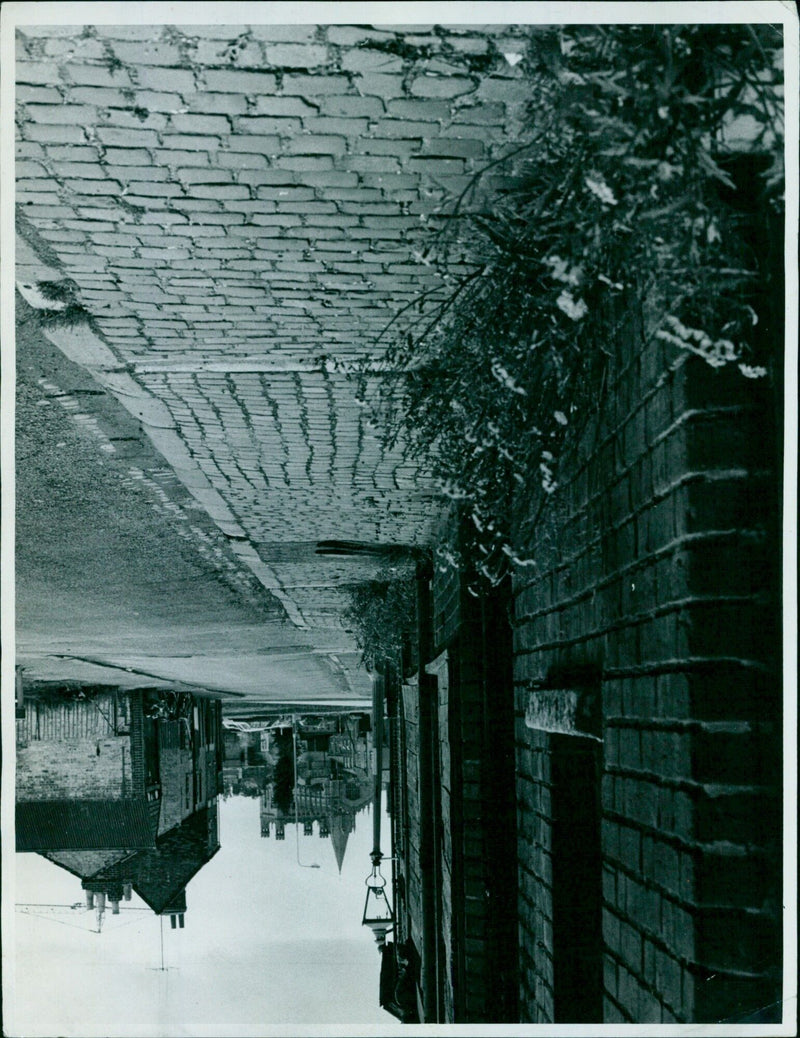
x=302 y=865
x=378 y=915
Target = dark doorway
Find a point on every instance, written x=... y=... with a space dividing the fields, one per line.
x=577 y=889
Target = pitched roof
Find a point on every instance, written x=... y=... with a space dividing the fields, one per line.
x=67 y=825
x=159 y=875
x=85 y=863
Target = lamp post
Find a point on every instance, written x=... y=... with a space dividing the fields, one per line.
x=378 y=915
x=302 y=865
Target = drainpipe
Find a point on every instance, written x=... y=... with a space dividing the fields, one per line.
x=378 y=695
x=427 y=734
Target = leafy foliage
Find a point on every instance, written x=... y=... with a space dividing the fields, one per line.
x=618 y=188
x=382 y=615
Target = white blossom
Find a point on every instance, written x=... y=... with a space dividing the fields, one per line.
x=573 y=308
x=600 y=189
x=561 y=270
x=507 y=380
x=750 y=371
x=548 y=483
x=716 y=352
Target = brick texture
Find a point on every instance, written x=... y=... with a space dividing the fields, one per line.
x=252 y=199
x=656 y=571
x=72 y=749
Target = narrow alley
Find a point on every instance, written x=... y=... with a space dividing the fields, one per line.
x=399 y=430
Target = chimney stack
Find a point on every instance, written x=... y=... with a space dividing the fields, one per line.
x=89 y=899
x=127 y=891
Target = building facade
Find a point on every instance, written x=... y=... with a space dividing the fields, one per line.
x=120 y=789
x=587 y=766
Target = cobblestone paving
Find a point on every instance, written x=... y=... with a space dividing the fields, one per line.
x=243 y=210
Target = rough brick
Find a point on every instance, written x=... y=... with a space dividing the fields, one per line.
x=200 y=124
x=465 y=148
x=105 y=97
x=199 y=175
x=435 y=166
x=333 y=179
x=127 y=138
x=220 y=191
x=243 y=160
x=37 y=95
x=366 y=60
x=93 y=187
x=30 y=169
x=382 y=86
x=340 y=105
x=95 y=75
x=418 y=111
x=192 y=142
x=305 y=163
x=314 y=144
x=35 y=72
x=268 y=125
x=325 y=125
x=352 y=35
x=176 y=80
x=154 y=188
x=235 y=81
x=147 y=52
x=441 y=86
x=313 y=85
x=281 y=106
x=60 y=114
x=245 y=53
x=296 y=55
x=371 y=163
x=388 y=146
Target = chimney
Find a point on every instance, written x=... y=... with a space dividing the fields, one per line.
x=115 y=907
x=172 y=921
x=90 y=899
x=127 y=891
x=180 y=920
x=101 y=901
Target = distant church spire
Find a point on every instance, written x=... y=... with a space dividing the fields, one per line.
x=340 y=830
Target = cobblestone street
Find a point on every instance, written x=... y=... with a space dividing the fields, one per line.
x=241 y=218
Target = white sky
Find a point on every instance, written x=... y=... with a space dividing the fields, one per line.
x=266 y=943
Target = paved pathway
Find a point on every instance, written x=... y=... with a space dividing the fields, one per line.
x=243 y=210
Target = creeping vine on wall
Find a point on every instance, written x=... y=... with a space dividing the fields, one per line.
x=621 y=186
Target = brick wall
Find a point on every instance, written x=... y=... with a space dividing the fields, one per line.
x=70 y=749
x=657 y=569
x=475 y=779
